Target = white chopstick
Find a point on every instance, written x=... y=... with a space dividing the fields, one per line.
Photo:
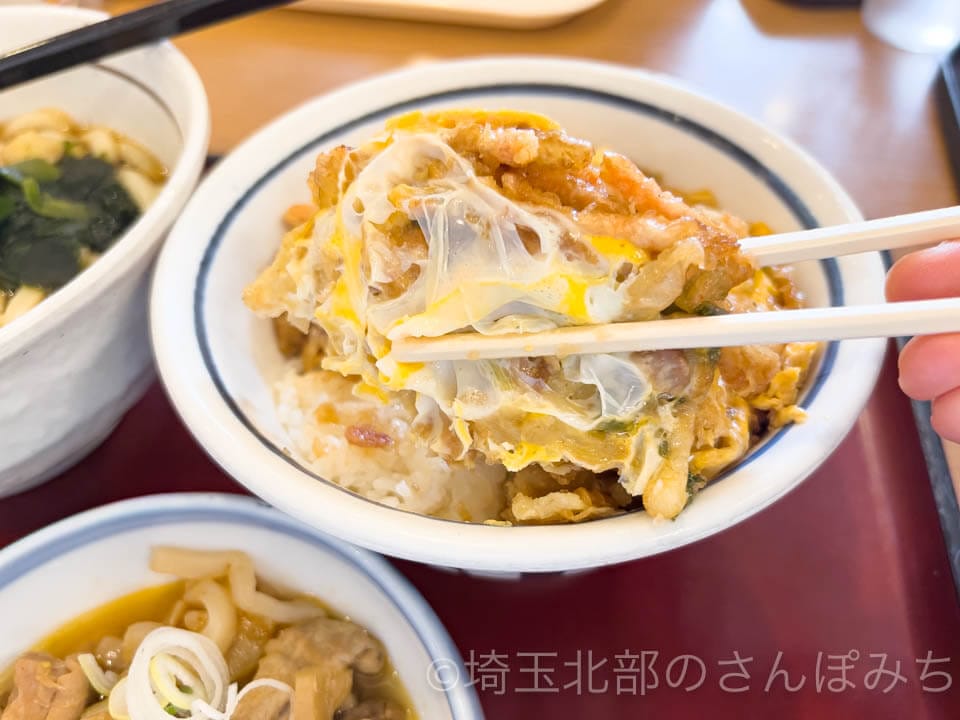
x=892 y=233
x=924 y=317
x=921 y=317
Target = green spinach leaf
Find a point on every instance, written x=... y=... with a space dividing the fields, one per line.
x=7 y=206
x=48 y=214
x=48 y=206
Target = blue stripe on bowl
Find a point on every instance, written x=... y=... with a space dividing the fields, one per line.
x=62 y=538
x=774 y=182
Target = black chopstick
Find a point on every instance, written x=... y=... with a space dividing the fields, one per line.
x=93 y=42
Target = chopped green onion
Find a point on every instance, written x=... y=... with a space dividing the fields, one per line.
x=39 y=170
x=664 y=448
x=173 y=680
x=102 y=682
x=7 y=206
x=51 y=207
x=695 y=483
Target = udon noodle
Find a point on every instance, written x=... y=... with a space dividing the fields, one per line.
x=217 y=644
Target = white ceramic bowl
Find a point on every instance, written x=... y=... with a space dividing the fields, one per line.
x=216 y=359
x=73 y=365
x=102 y=554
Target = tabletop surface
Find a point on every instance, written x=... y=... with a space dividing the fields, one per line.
x=835 y=602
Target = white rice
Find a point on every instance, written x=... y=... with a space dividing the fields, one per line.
x=316 y=409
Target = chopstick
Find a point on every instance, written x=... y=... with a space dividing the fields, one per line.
x=891 y=233
x=96 y=41
x=922 y=317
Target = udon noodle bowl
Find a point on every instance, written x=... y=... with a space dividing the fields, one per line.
x=218 y=642
x=500 y=222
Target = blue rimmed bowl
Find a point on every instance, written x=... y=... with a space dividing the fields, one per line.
x=217 y=361
x=81 y=563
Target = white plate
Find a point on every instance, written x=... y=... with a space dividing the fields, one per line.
x=215 y=358
x=81 y=563
x=526 y=15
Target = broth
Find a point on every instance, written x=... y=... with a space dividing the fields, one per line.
x=158 y=604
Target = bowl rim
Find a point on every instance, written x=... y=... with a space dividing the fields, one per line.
x=136 y=243
x=32 y=552
x=402 y=533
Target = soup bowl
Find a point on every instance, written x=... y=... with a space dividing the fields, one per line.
x=218 y=361
x=71 y=366
x=103 y=554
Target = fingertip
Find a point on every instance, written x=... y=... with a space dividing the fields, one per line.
x=924 y=274
x=945 y=416
x=928 y=366
x=910 y=371
x=893 y=286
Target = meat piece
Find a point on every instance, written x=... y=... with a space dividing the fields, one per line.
x=749 y=370
x=534 y=372
x=668 y=370
x=320 y=691
x=263 y=703
x=575 y=190
x=508 y=146
x=45 y=688
x=290 y=339
x=374 y=710
x=109 y=654
x=97 y=712
x=348 y=643
x=330 y=649
x=516 y=187
x=311 y=354
x=367 y=436
x=324 y=181
x=725 y=267
x=244 y=654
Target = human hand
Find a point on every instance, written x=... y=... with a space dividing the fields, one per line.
x=930 y=365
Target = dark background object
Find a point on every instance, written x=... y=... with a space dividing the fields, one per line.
x=948 y=102
x=944 y=495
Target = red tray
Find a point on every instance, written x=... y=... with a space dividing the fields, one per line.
x=848 y=570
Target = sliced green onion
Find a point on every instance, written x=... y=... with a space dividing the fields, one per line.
x=168 y=676
x=39 y=170
x=45 y=205
x=168 y=660
x=117 y=702
x=102 y=682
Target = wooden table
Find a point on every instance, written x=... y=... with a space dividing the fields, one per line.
x=859 y=106
x=851 y=564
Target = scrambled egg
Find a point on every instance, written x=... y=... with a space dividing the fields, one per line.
x=499 y=222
